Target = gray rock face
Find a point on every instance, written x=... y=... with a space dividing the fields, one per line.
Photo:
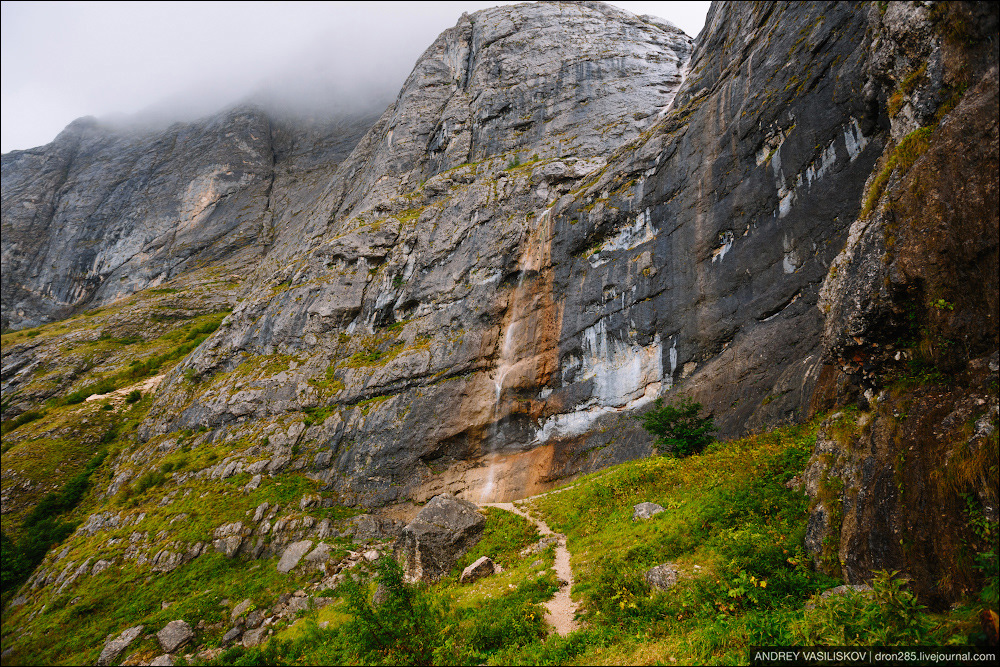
x=293 y=554
x=566 y=213
x=585 y=284
x=162 y=661
x=174 y=635
x=369 y=528
x=104 y=211
x=114 y=648
x=443 y=530
x=645 y=511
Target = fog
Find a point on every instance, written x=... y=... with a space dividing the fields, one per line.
x=157 y=63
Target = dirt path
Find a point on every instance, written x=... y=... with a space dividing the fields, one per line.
x=561 y=609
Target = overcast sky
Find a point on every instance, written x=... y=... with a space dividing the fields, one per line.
x=61 y=61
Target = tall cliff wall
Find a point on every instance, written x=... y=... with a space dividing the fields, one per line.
x=567 y=212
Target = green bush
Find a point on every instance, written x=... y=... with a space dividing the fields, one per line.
x=43 y=528
x=21 y=420
x=403 y=629
x=133 y=396
x=678 y=428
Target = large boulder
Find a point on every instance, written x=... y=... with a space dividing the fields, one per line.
x=444 y=529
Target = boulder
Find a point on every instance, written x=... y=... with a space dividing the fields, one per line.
x=483 y=567
x=443 y=530
x=240 y=609
x=662 y=576
x=369 y=528
x=162 y=661
x=645 y=511
x=292 y=555
x=231 y=635
x=174 y=635
x=114 y=648
x=253 y=637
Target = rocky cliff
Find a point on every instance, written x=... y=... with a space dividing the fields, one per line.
x=567 y=212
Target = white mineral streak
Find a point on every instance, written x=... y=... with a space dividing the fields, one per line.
x=625 y=376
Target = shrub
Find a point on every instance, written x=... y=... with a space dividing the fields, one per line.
x=403 y=629
x=678 y=428
x=133 y=396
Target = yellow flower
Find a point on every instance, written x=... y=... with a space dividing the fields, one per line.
x=763 y=584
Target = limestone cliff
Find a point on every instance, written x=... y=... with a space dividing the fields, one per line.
x=567 y=212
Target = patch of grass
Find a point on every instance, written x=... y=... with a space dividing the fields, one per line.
x=504 y=535
x=21 y=420
x=902 y=158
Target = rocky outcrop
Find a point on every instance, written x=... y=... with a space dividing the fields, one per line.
x=174 y=635
x=567 y=213
x=911 y=306
x=115 y=647
x=104 y=211
x=443 y=530
x=644 y=511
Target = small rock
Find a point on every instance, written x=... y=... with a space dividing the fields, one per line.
x=231 y=635
x=539 y=546
x=293 y=553
x=483 y=567
x=662 y=576
x=174 y=635
x=240 y=609
x=254 y=618
x=253 y=483
x=537 y=563
x=162 y=661
x=320 y=554
x=297 y=604
x=253 y=637
x=371 y=555
x=380 y=596
x=645 y=511
x=115 y=647
x=839 y=590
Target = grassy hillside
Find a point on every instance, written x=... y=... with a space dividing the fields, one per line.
x=114 y=509
x=732 y=527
